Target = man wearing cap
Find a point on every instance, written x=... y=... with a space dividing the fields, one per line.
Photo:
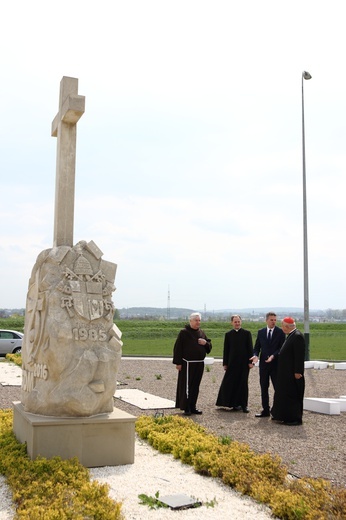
x=290 y=384
x=268 y=344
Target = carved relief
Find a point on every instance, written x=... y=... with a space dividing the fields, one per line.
x=71 y=347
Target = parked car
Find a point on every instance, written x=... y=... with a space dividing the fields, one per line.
x=10 y=342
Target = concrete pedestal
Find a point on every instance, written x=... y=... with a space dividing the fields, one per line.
x=102 y=440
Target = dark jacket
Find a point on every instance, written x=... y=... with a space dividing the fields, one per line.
x=263 y=349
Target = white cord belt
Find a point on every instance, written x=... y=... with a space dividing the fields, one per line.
x=187 y=372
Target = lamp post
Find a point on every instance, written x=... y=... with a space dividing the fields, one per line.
x=305 y=75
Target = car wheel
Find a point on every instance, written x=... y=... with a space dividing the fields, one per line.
x=17 y=350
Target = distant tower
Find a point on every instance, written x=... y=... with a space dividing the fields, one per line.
x=169 y=305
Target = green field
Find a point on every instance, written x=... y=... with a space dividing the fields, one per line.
x=156 y=338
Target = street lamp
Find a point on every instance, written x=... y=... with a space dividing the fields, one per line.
x=305 y=75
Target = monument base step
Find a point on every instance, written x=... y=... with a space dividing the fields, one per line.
x=101 y=440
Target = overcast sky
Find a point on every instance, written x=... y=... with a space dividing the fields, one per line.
x=189 y=153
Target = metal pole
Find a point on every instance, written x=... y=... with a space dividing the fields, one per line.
x=305 y=75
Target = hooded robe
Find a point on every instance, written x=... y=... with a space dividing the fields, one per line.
x=190 y=355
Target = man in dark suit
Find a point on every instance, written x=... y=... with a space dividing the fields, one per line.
x=268 y=343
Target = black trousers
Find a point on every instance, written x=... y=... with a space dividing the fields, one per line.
x=267 y=372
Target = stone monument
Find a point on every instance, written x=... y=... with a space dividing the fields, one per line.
x=71 y=349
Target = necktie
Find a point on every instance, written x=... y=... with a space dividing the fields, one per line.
x=269 y=335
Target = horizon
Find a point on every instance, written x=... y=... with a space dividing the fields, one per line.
x=248 y=310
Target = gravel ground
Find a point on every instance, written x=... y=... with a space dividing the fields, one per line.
x=315 y=449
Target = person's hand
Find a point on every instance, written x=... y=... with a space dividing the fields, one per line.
x=254 y=359
x=178 y=367
x=225 y=367
x=202 y=341
x=298 y=376
x=251 y=365
x=269 y=359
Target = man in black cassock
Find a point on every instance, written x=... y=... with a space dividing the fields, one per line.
x=290 y=383
x=189 y=351
x=237 y=354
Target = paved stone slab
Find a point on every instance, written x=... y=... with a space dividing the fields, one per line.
x=340 y=366
x=179 y=501
x=10 y=374
x=142 y=399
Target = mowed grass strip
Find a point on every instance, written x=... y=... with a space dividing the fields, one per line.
x=156 y=338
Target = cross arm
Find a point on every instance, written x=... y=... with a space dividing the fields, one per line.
x=72 y=110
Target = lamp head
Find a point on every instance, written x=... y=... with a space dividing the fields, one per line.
x=306 y=75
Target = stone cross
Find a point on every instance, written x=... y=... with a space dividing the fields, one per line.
x=64 y=127
x=71 y=348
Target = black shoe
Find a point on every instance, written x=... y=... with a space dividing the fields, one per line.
x=236 y=408
x=292 y=423
x=187 y=412
x=196 y=412
x=262 y=414
x=245 y=409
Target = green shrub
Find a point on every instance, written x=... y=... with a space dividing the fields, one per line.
x=15 y=358
x=51 y=489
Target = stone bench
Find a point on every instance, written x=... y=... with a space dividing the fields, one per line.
x=328 y=406
x=320 y=365
x=317 y=365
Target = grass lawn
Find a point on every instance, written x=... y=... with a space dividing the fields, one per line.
x=156 y=338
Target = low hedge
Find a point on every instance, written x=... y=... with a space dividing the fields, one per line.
x=53 y=489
